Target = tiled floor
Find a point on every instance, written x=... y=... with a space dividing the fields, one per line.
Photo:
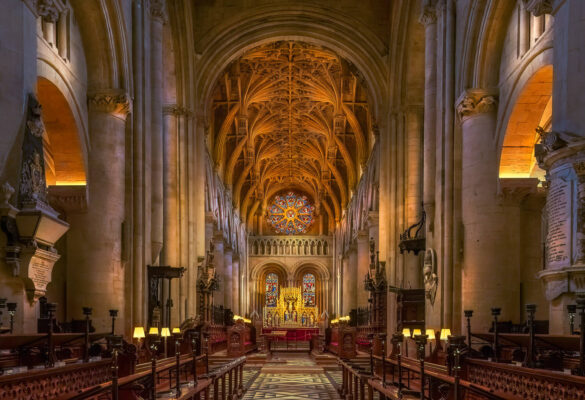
x=285 y=386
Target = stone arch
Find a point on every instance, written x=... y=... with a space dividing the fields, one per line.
x=307 y=23
x=103 y=30
x=528 y=107
x=322 y=276
x=66 y=149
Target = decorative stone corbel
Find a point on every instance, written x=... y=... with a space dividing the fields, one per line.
x=512 y=191
x=428 y=13
x=114 y=101
x=475 y=101
x=157 y=10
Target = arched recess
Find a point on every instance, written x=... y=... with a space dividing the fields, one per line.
x=258 y=281
x=321 y=281
x=532 y=107
x=64 y=158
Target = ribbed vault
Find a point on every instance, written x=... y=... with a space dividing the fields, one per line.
x=288 y=115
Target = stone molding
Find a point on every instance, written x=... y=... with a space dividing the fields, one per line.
x=474 y=102
x=428 y=13
x=157 y=11
x=176 y=110
x=512 y=191
x=538 y=7
x=113 y=101
x=566 y=280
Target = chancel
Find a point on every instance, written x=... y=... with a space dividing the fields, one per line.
x=295 y=199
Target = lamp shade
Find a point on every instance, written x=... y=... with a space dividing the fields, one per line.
x=153 y=330
x=445 y=333
x=176 y=331
x=430 y=333
x=165 y=332
x=416 y=332
x=406 y=332
x=138 y=332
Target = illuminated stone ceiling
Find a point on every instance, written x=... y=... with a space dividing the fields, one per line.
x=290 y=116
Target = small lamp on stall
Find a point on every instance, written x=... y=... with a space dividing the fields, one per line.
x=138 y=334
x=165 y=333
x=431 y=336
x=445 y=333
x=406 y=334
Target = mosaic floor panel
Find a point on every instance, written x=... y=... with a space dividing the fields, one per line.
x=291 y=386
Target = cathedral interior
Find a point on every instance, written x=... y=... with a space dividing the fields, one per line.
x=324 y=199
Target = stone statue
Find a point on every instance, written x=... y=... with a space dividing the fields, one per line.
x=430 y=275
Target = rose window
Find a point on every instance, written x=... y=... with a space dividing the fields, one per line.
x=291 y=214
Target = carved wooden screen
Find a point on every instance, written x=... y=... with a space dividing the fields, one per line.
x=309 y=290
x=271 y=290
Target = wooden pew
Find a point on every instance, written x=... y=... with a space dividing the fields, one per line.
x=240 y=339
x=341 y=341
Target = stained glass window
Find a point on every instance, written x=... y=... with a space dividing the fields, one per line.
x=309 y=290
x=271 y=290
x=291 y=214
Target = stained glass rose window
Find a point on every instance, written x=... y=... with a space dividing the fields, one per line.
x=291 y=214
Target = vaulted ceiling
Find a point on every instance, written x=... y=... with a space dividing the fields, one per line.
x=290 y=116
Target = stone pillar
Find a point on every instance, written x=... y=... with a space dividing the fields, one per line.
x=363 y=265
x=218 y=296
x=568 y=59
x=429 y=19
x=347 y=287
x=170 y=250
x=487 y=253
x=228 y=292
x=236 y=279
x=95 y=277
x=157 y=14
x=352 y=276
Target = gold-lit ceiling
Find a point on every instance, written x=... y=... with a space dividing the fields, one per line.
x=288 y=115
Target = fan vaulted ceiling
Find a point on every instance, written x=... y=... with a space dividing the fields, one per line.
x=288 y=115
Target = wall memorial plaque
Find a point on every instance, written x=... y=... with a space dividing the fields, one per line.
x=558 y=211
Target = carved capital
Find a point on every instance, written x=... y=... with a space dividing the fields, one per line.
x=157 y=10
x=428 y=13
x=115 y=102
x=474 y=102
x=538 y=7
x=48 y=10
x=512 y=191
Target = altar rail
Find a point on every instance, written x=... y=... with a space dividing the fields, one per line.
x=260 y=246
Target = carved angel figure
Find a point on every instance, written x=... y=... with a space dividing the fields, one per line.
x=430 y=276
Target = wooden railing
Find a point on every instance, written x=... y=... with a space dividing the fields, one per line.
x=168 y=374
x=394 y=379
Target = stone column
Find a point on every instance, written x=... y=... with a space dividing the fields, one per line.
x=170 y=251
x=228 y=294
x=157 y=14
x=236 y=283
x=487 y=254
x=352 y=276
x=218 y=296
x=95 y=277
x=429 y=19
x=347 y=287
x=363 y=264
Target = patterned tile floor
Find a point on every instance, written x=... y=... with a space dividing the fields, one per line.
x=291 y=386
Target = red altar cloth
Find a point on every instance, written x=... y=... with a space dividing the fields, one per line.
x=293 y=334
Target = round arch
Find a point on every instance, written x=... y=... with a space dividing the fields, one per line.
x=258 y=279
x=321 y=281
x=66 y=124
x=311 y=24
x=528 y=107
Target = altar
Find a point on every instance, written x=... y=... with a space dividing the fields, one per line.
x=290 y=311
